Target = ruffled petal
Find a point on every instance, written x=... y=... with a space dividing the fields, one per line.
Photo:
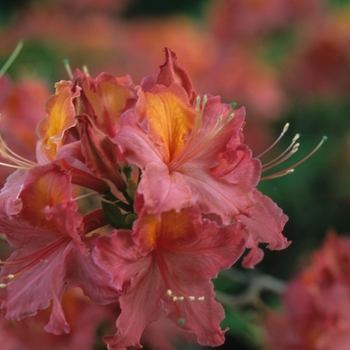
x=60 y=117
x=264 y=225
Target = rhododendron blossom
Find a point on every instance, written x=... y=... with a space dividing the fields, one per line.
x=165 y=267
x=177 y=144
x=317 y=302
x=40 y=219
x=139 y=195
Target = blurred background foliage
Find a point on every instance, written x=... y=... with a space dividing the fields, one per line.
x=285 y=61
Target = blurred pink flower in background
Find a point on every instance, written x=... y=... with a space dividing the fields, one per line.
x=320 y=62
x=84 y=317
x=251 y=19
x=21 y=108
x=317 y=303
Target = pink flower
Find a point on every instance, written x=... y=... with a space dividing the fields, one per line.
x=84 y=316
x=317 y=303
x=190 y=151
x=179 y=145
x=164 y=268
x=40 y=219
x=81 y=118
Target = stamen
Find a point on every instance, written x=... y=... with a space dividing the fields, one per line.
x=285 y=128
x=85 y=70
x=19 y=161
x=85 y=196
x=191 y=149
x=167 y=278
x=183 y=297
x=68 y=68
x=31 y=260
x=291 y=168
x=283 y=156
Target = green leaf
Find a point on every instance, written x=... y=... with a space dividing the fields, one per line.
x=114 y=216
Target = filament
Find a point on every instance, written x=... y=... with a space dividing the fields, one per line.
x=19 y=161
x=291 y=168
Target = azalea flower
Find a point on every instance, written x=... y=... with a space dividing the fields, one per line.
x=320 y=63
x=163 y=267
x=190 y=151
x=173 y=202
x=84 y=316
x=177 y=140
x=316 y=303
x=40 y=219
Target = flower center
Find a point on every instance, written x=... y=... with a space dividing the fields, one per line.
x=201 y=136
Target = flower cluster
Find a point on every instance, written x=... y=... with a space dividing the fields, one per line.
x=139 y=195
x=317 y=301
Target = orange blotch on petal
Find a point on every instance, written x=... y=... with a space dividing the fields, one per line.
x=170 y=120
x=60 y=117
x=172 y=229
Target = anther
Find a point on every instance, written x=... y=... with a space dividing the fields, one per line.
x=170 y=293
x=295 y=137
x=205 y=99
x=230 y=117
x=3 y=285
x=295 y=147
x=288 y=152
x=285 y=128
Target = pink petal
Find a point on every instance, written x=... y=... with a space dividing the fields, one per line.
x=238 y=166
x=36 y=286
x=11 y=204
x=171 y=72
x=254 y=256
x=57 y=324
x=264 y=225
